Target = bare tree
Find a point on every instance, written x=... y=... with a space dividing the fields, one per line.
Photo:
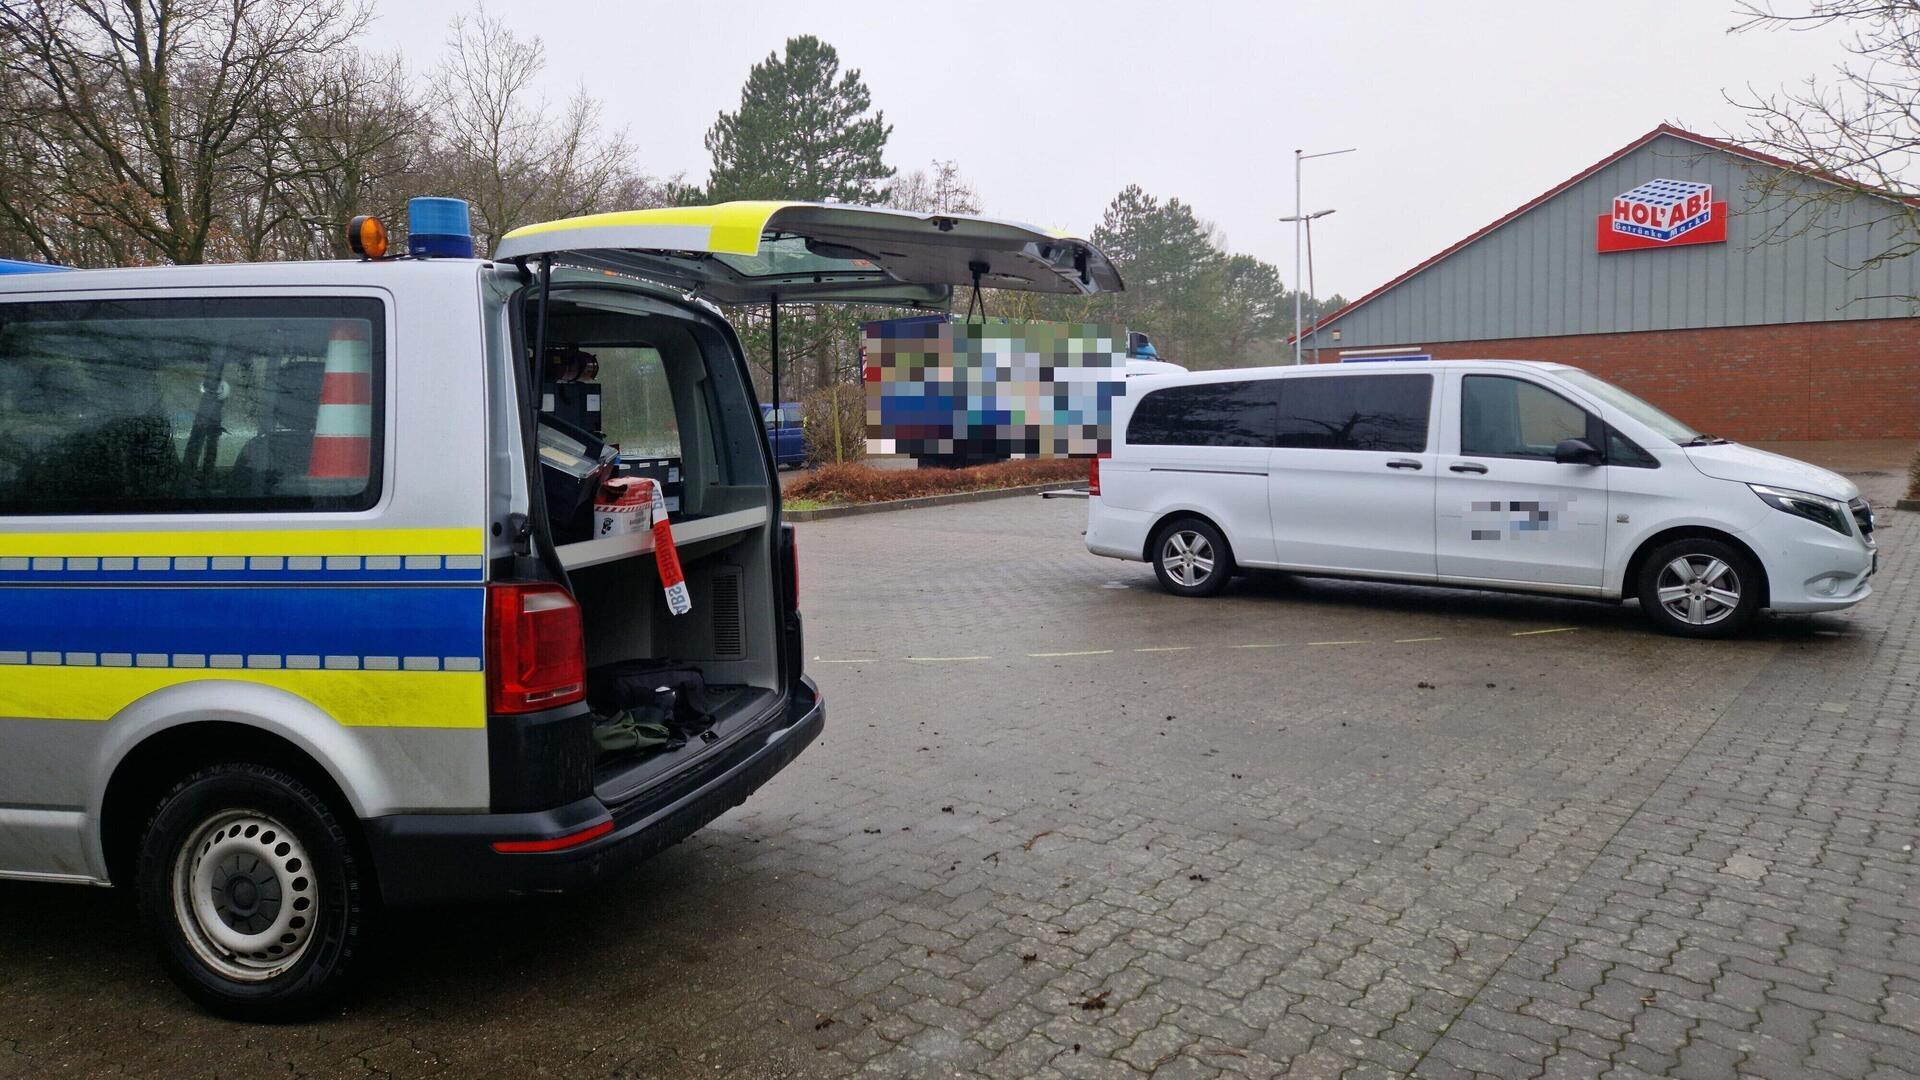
x=505 y=151
x=1859 y=128
x=137 y=115
x=939 y=189
x=345 y=136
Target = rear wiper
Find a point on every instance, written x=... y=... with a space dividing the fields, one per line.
x=1704 y=440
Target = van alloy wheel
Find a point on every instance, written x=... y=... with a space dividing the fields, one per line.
x=1191 y=558
x=245 y=894
x=1699 y=589
x=1188 y=557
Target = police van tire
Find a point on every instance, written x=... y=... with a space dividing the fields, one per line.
x=255 y=893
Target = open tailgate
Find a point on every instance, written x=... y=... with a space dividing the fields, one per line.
x=755 y=252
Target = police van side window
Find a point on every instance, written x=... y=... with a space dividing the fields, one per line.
x=637 y=411
x=191 y=405
x=1206 y=414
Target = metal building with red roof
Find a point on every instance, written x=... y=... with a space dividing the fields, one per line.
x=1725 y=284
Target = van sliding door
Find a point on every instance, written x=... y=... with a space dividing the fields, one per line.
x=1353 y=474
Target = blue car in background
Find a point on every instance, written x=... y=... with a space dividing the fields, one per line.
x=786 y=437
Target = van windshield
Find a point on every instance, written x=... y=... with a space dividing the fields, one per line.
x=1629 y=404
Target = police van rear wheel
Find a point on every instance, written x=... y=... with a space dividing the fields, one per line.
x=252 y=888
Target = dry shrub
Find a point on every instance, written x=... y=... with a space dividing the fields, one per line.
x=866 y=484
x=1913 y=476
x=834 y=419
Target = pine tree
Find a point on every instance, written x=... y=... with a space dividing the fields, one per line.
x=1175 y=272
x=802 y=131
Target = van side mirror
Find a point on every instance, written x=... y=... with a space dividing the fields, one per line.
x=1576 y=452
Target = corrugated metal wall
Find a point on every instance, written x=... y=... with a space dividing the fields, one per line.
x=1539 y=275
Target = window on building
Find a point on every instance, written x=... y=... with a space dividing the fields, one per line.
x=1206 y=414
x=1356 y=412
x=191 y=405
x=1507 y=417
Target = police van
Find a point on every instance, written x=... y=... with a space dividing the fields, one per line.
x=305 y=602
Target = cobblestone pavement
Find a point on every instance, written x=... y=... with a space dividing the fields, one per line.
x=1064 y=825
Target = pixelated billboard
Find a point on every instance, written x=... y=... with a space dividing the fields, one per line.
x=1663 y=213
x=956 y=392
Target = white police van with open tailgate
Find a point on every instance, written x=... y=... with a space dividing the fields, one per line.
x=305 y=609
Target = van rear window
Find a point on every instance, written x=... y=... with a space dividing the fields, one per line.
x=1206 y=414
x=191 y=405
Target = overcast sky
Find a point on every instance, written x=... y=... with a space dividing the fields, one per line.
x=1461 y=110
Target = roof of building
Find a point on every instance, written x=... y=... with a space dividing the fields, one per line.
x=1707 y=141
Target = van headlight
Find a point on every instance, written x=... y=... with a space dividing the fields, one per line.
x=1829 y=512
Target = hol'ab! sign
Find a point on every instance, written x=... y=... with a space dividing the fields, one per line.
x=1663 y=214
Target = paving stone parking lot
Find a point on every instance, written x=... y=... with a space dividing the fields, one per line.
x=1064 y=825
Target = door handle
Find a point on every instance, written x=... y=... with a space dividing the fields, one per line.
x=1467 y=466
x=1403 y=463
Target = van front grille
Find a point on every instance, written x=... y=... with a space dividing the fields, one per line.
x=729 y=628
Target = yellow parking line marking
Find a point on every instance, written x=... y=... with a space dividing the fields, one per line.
x=1555 y=630
x=1274 y=645
x=1166 y=648
x=1411 y=640
x=1089 y=652
x=821 y=660
x=933 y=659
x=1336 y=643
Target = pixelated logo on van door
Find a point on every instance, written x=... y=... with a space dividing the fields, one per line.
x=1515 y=517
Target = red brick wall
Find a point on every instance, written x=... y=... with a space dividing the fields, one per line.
x=1848 y=379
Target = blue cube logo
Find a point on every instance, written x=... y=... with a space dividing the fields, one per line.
x=1662 y=210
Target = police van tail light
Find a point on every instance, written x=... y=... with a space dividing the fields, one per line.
x=536 y=650
x=1093 y=474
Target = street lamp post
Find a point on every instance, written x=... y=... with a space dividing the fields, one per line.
x=1311 y=290
x=1298 y=335
x=1298 y=219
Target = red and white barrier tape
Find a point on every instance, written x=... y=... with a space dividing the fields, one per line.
x=667 y=558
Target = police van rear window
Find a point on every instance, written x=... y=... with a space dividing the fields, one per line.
x=191 y=405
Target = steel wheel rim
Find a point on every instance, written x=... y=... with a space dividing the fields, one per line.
x=245 y=895
x=1699 y=590
x=1187 y=557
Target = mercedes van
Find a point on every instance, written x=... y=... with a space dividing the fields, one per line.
x=1511 y=475
x=304 y=603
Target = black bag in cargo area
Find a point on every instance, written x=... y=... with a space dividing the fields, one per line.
x=666 y=685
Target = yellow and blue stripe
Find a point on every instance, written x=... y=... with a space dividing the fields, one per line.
x=253 y=557
x=374 y=627
x=349 y=628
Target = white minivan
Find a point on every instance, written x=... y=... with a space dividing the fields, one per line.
x=1494 y=474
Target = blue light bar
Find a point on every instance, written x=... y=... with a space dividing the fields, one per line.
x=439 y=228
x=15 y=266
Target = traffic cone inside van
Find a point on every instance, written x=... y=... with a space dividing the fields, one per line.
x=343 y=428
